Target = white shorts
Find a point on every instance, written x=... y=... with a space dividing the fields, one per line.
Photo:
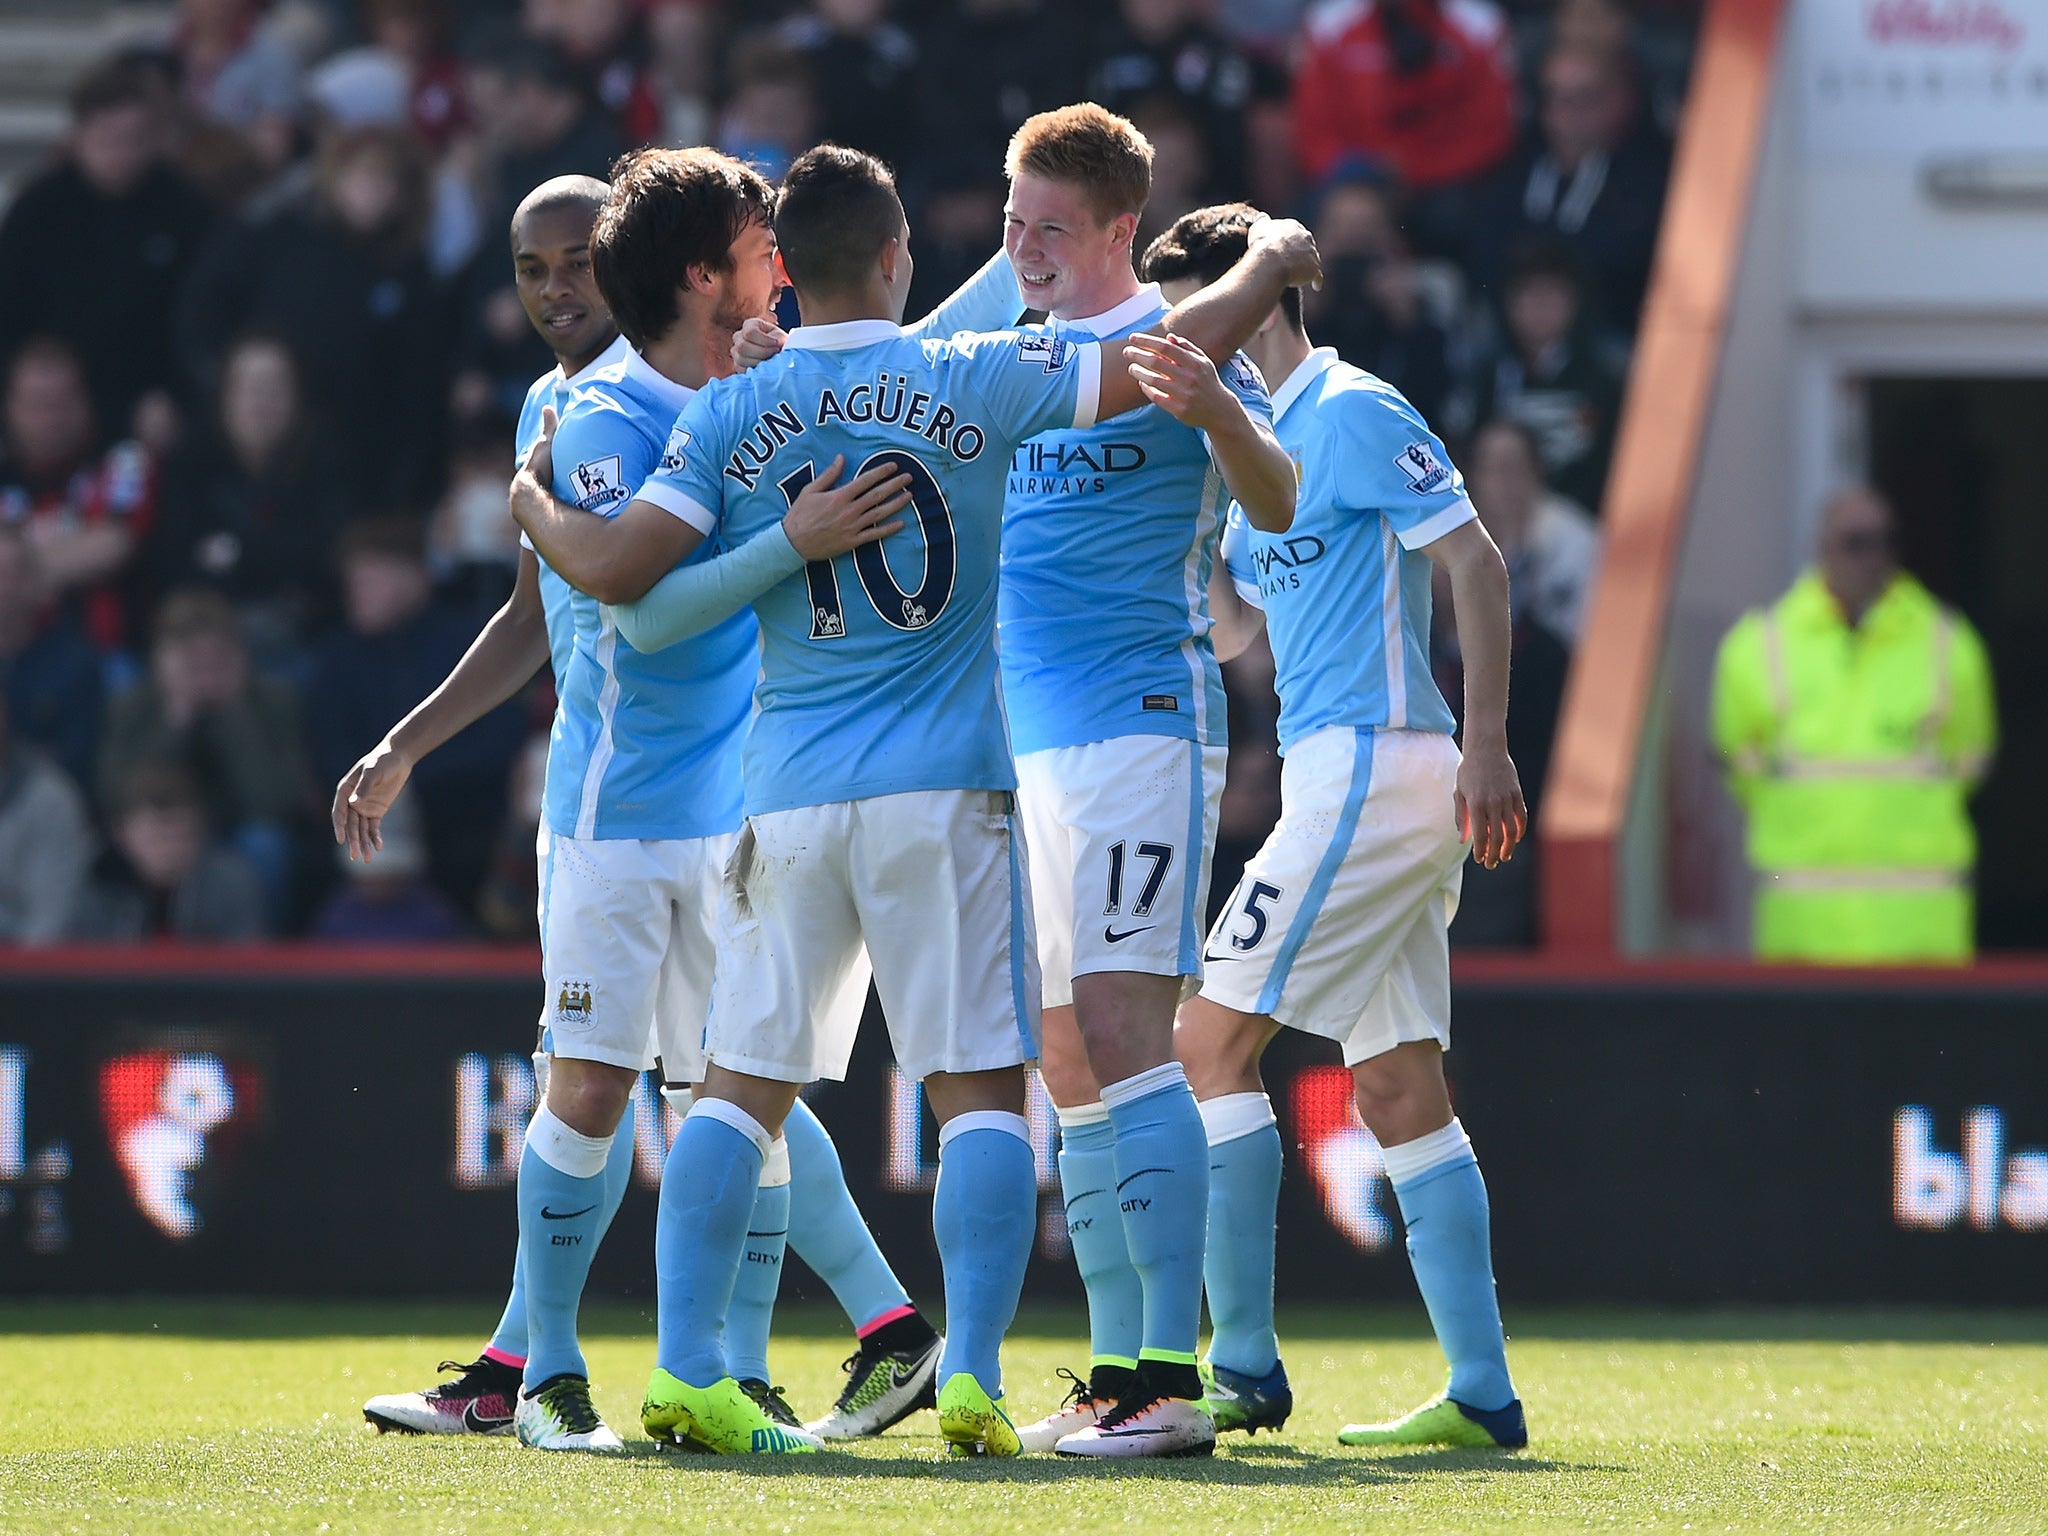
x=626 y=942
x=1120 y=833
x=1341 y=924
x=933 y=883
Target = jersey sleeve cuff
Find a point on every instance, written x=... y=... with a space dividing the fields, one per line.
x=1434 y=527
x=677 y=505
x=526 y=543
x=1088 y=388
x=1249 y=592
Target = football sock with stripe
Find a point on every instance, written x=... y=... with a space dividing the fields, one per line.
x=1443 y=1202
x=984 y=1216
x=826 y=1229
x=508 y=1340
x=709 y=1187
x=1095 y=1228
x=1162 y=1167
x=1244 y=1203
x=561 y=1217
x=752 y=1313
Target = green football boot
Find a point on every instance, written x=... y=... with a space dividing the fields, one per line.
x=721 y=1418
x=1447 y=1422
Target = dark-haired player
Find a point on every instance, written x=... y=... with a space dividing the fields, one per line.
x=1340 y=924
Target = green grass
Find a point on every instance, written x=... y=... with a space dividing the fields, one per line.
x=175 y=1417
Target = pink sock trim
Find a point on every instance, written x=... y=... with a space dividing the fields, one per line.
x=883 y=1321
x=503 y=1357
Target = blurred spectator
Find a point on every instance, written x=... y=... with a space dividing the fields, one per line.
x=85 y=512
x=605 y=47
x=388 y=900
x=1856 y=718
x=473 y=542
x=1594 y=182
x=1167 y=48
x=253 y=505
x=1550 y=542
x=1018 y=55
x=506 y=905
x=346 y=283
x=863 y=72
x=1183 y=177
x=241 y=72
x=49 y=671
x=46 y=843
x=236 y=733
x=538 y=122
x=1424 y=86
x=396 y=649
x=164 y=878
x=421 y=34
x=1370 y=307
x=1553 y=375
x=961 y=226
x=94 y=249
x=772 y=114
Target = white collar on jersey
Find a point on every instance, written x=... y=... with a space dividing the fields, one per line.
x=657 y=383
x=1306 y=372
x=1142 y=305
x=617 y=352
x=843 y=335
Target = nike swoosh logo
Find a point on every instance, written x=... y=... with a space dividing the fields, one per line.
x=481 y=1423
x=1213 y=959
x=1139 y=1175
x=548 y=1215
x=1114 y=937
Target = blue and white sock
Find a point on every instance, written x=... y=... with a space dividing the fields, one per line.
x=1244 y=1204
x=1095 y=1228
x=826 y=1229
x=508 y=1339
x=561 y=1217
x=984 y=1216
x=752 y=1312
x=1450 y=1246
x=708 y=1189
x=1162 y=1167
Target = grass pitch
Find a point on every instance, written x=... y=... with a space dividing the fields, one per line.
x=177 y=1417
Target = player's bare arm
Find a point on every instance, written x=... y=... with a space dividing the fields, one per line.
x=1179 y=378
x=1234 y=623
x=1491 y=811
x=511 y=647
x=1223 y=316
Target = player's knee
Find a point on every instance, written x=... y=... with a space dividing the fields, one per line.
x=1220 y=1047
x=590 y=1097
x=1401 y=1095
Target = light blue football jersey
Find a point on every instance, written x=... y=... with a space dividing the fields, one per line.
x=642 y=746
x=554 y=388
x=1345 y=592
x=878 y=668
x=1109 y=536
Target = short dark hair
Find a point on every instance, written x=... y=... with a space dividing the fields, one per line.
x=839 y=207
x=120 y=82
x=1206 y=244
x=383 y=538
x=191 y=612
x=669 y=210
x=159 y=784
x=584 y=193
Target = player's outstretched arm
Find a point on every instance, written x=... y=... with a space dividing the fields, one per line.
x=1491 y=811
x=613 y=559
x=827 y=519
x=511 y=647
x=1222 y=317
x=1178 y=377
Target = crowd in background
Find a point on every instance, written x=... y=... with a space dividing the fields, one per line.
x=262 y=358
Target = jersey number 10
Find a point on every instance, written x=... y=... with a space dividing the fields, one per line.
x=899 y=609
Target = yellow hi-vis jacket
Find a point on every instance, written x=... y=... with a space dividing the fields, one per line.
x=1853 y=751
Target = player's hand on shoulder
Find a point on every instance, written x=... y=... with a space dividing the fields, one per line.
x=1291 y=243
x=1177 y=376
x=828 y=518
x=363 y=796
x=1492 y=815
x=755 y=342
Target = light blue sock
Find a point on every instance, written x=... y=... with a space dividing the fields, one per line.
x=752 y=1312
x=1095 y=1227
x=1162 y=1168
x=508 y=1340
x=826 y=1229
x=561 y=1217
x=984 y=1215
x=1450 y=1247
x=708 y=1189
x=1244 y=1202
